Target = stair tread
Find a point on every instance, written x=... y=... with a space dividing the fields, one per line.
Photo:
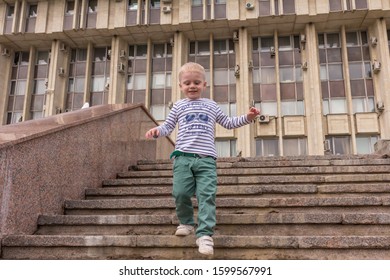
x=271 y=170
x=234 y=202
x=346 y=242
x=305 y=207
x=263 y=179
x=269 y=218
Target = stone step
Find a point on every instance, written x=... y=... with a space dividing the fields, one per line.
x=67 y=247
x=315 y=207
x=271 y=162
x=358 y=169
x=263 y=179
x=224 y=190
x=275 y=224
x=153 y=192
x=232 y=205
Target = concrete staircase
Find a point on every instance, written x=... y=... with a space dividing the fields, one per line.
x=329 y=207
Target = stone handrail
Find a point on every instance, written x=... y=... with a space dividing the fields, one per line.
x=45 y=162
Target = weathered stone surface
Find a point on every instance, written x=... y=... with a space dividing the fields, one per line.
x=332 y=207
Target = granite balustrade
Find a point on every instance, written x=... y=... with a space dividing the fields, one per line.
x=47 y=161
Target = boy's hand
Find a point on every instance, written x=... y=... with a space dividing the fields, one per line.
x=253 y=113
x=152 y=133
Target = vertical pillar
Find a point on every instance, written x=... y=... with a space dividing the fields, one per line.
x=312 y=91
x=380 y=53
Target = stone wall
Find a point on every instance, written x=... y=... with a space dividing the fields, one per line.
x=45 y=162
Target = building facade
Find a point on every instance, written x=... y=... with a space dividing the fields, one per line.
x=319 y=70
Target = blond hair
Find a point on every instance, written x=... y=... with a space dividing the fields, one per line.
x=192 y=67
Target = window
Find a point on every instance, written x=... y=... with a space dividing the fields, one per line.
x=69 y=8
x=92 y=14
x=69 y=13
x=340 y=145
x=154 y=12
x=291 y=87
x=288 y=6
x=335 y=5
x=200 y=52
x=219 y=9
x=264 y=7
x=224 y=76
x=76 y=80
x=100 y=76
x=161 y=81
x=92 y=6
x=267 y=147
x=362 y=89
x=331 y=74
x=196 y=10
x=226 y=148
x=294 y=147
x=18 y=87
x=32 y=12
x=136 y=78
x=365 y=144
x=31 y=18
x=132 y=12
x=388 y=38
x=264 y=75
x=347 y=5
x=361 y=4
x=133 y=5
x=9 y=19
x=40 y=84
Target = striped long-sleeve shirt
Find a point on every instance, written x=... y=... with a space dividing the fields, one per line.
x=196 y=120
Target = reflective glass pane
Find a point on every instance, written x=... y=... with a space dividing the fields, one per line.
x=158 y=80
x=286 y=74
x=139 y=81
x=355 y=70
x=335 y=72
x=97 y=84
x=338 y=106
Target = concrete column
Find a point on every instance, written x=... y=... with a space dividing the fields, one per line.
x=279 y=120
x=347 y=87
x=118 y=81
x=88 y=73
x=6 y=63
x=148 y=74
x=380 y=53
x=29 y=86
x=179 y=54
x=76 y=16
x=211 y=44
x=15 y=23
x=56 y=88
x=245 y=134
x=312 y=91
x=83 y=13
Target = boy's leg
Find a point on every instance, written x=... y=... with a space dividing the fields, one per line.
x=206 y=189
x=183 y=189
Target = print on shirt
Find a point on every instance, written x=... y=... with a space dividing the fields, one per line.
x=196 y=122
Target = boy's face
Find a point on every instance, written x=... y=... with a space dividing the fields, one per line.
x=192 y=84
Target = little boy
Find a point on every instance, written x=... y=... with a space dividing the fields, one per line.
x=194 y=168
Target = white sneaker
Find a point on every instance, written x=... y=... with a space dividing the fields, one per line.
x=205 y=244
x=183 y=230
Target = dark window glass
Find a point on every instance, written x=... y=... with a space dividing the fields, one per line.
x=335 y=5
x=288 y=6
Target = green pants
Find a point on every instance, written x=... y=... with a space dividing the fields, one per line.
x=195 y=176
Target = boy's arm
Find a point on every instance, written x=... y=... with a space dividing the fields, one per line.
x=235 y=122
x=154 y=132
x=166 y=128
x=252 y=114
